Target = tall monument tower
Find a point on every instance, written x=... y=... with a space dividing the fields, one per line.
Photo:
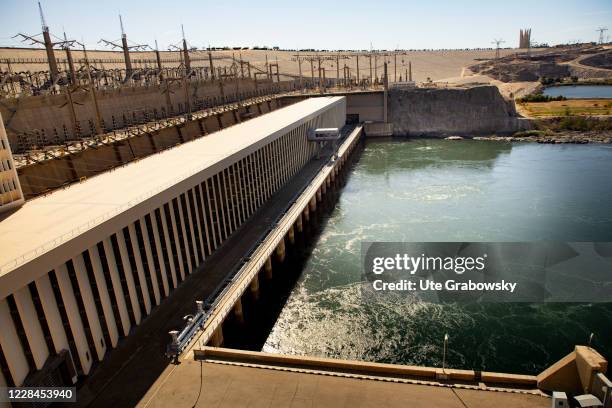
x=525 y=38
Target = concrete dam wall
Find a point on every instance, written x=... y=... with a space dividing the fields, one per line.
x=445 y=112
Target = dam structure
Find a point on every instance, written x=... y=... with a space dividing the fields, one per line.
x=149 y=214
x=82 y=267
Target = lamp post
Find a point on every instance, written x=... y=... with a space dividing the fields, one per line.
x=444 y=353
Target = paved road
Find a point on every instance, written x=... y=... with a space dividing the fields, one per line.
x=231 y=386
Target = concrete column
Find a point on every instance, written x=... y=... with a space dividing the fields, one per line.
x=268 y=268
x=177 y=240
x=306 y=213
x=11 y=346
x=74 y=317
x=229 y=197
x=288 y=163
x=252 y=184
x=90 y=305
x=196 y=208
x=263 y=179
x=298 y=223
x=194 y=242
x=185 y=236
x=160 y=254
x=318 y=195
x=217 y=337
x=150 y=261
x=255 y=179
x=244 y=191
x=204 y=220
x=280 y=251
x=247 y=186
x=169 y=253
x=52 y=314
x=212 y=203
x=313 y=202
x=267 y=179
x=279 y=152
x=273 y=166
x=144 y=287
x=129 y=276
x=31 y=326
x=254 y=287
x=107 y=307
x=291 y=235
x=238 y=194
x=219 y=206
x=117 y=289
x=238 y=313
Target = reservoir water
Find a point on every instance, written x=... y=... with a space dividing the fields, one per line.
x=437 y=190
x=580 y=91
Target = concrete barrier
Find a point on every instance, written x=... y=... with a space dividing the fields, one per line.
x=368 y=368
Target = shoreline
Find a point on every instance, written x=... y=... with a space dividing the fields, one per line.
x=565 y=137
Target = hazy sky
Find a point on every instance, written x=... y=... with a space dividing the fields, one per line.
x=329 y=24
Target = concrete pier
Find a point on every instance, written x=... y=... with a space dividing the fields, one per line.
x=259 y=379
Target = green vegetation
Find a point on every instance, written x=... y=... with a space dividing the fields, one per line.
x=530 y=133
x=570 y=107
x=550 y=81
x=572 y=123
x=540 y=98
x=582 y=123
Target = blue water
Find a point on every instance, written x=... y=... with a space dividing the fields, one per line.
x=437 y=190
x=580 y=91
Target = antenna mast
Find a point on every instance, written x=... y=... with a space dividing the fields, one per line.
x=43 y=23
x=121 y=24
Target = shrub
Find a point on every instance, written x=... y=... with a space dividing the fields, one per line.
x=541 y=98
x=527 y=133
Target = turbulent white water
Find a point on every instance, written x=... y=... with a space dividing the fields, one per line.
x=450 y=191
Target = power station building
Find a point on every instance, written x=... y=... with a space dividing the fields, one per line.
x=81 y=267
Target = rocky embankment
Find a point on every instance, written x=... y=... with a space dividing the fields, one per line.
x=566 y=137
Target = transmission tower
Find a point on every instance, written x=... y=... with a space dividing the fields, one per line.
x=126 y=48
x=184 y=50
x=48 y=44
x=601 y=31
x=497 y=43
